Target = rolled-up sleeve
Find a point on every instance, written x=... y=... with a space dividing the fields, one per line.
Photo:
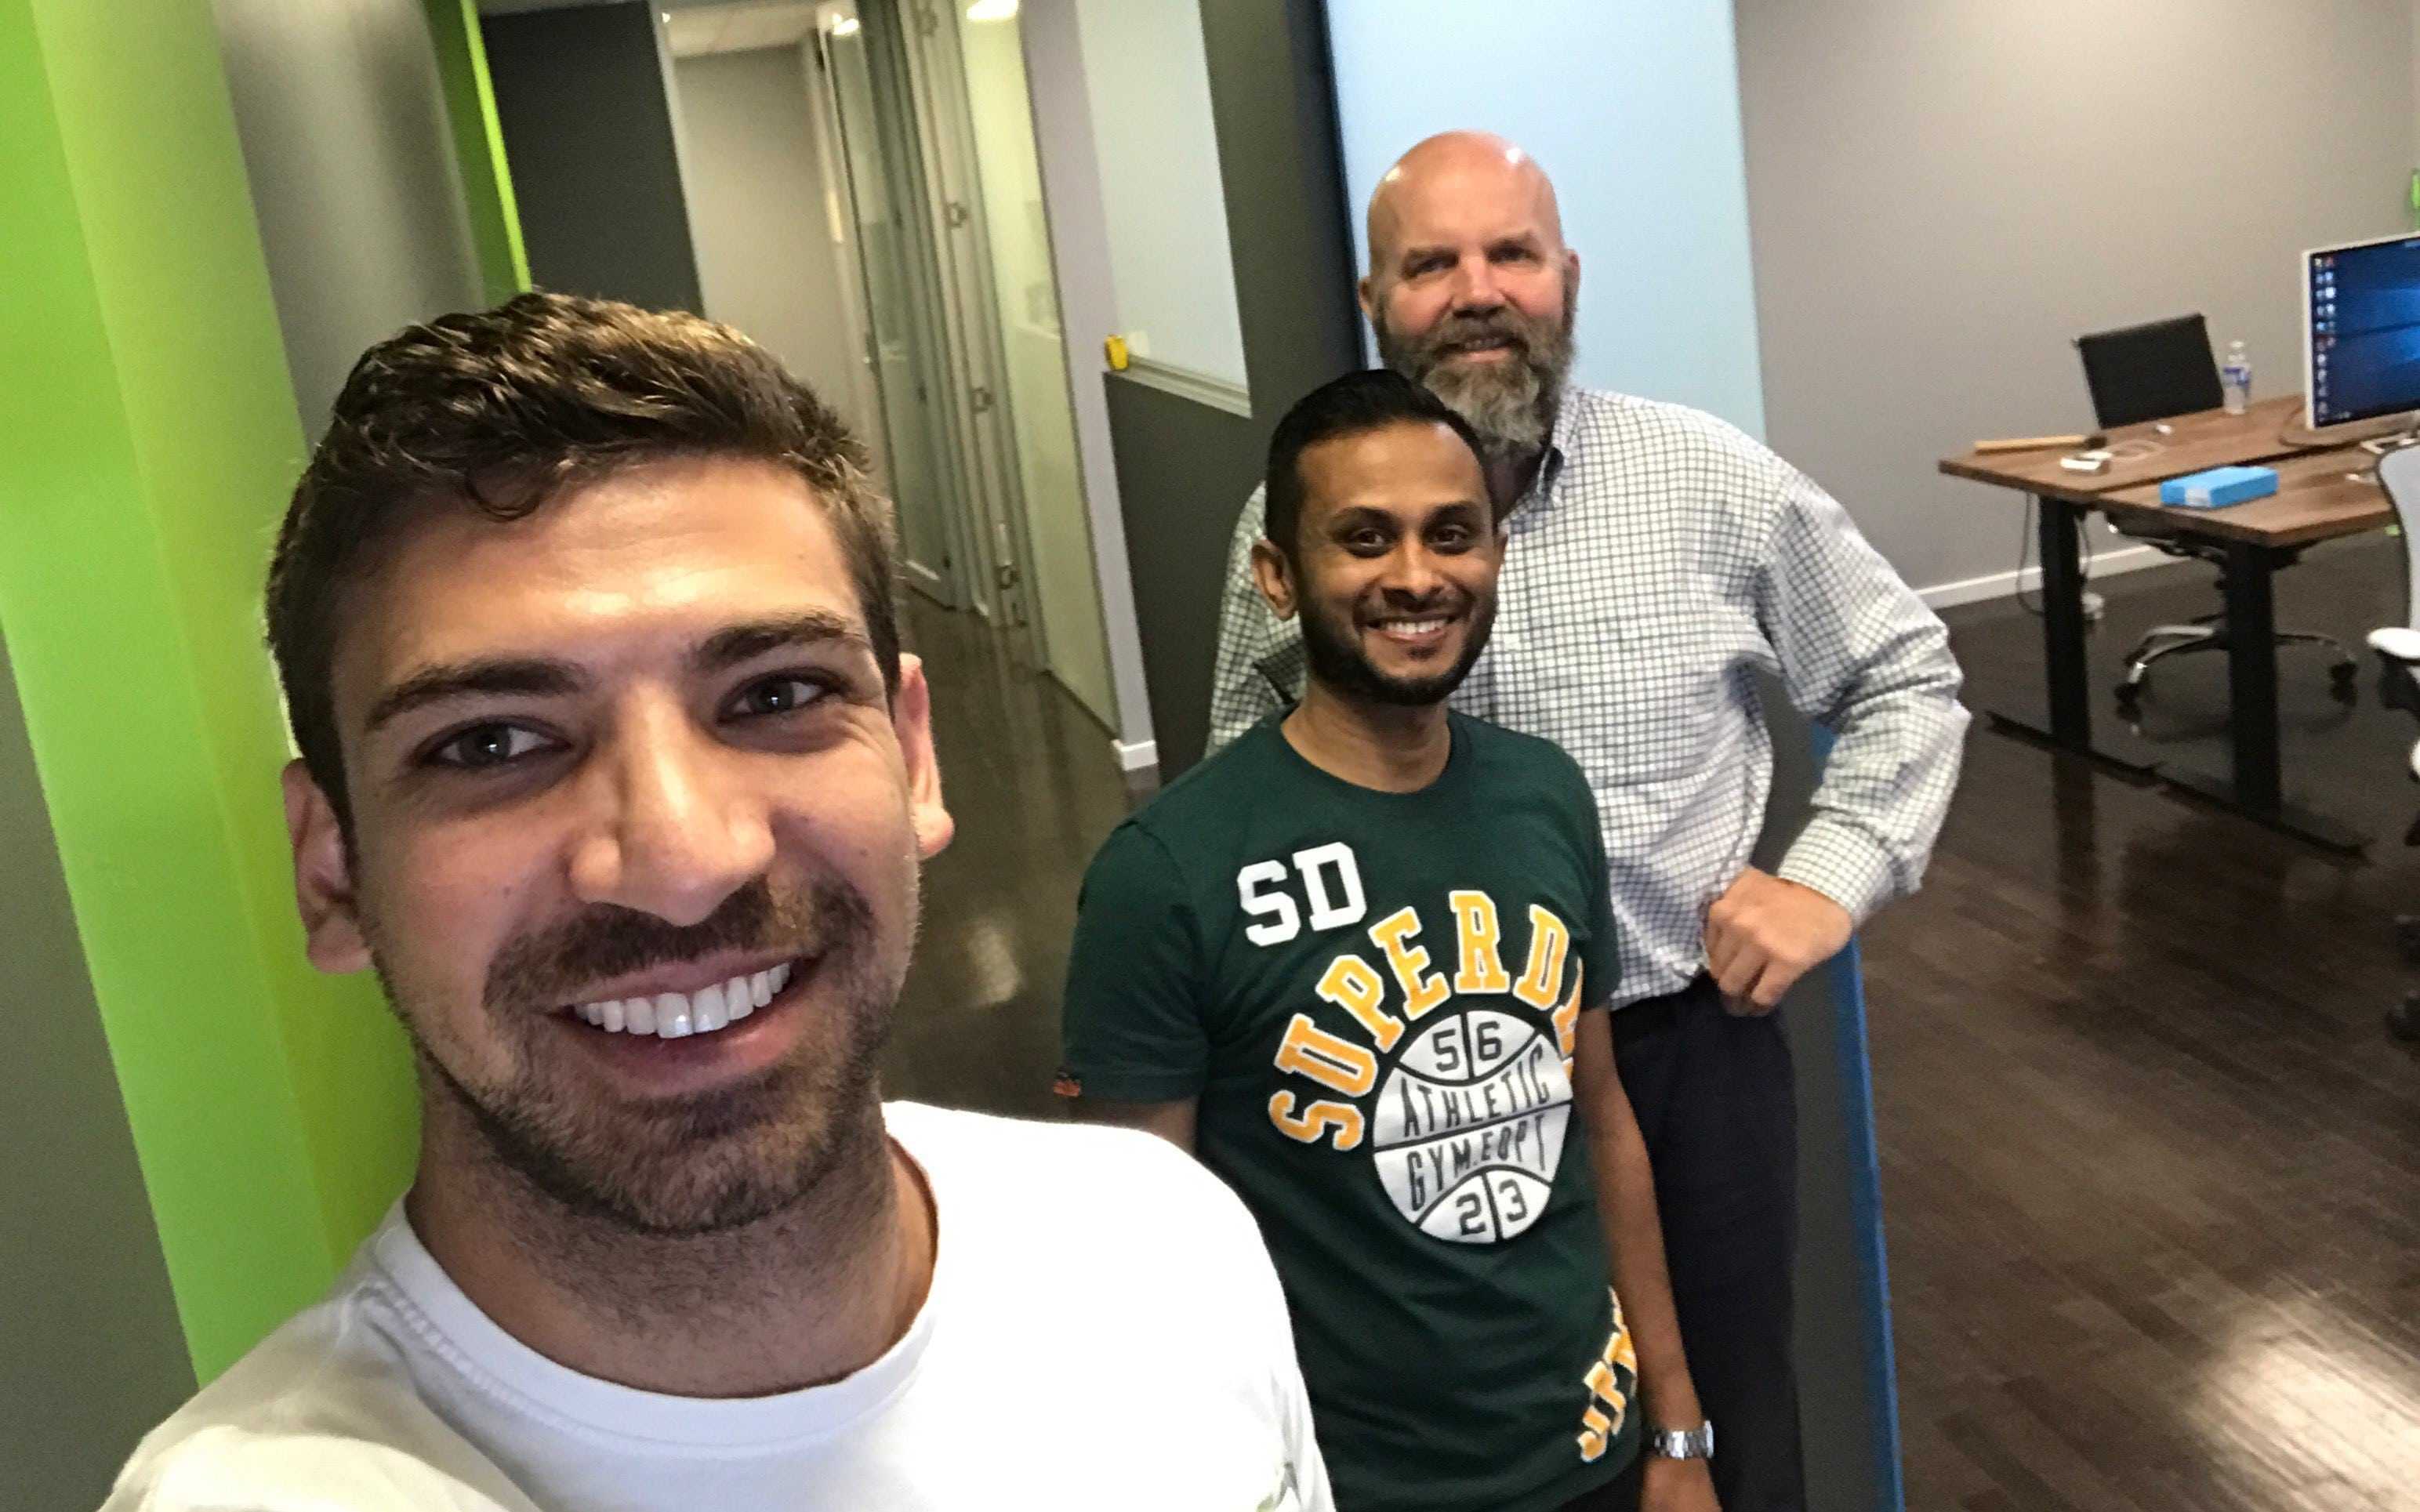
x=1863 y=656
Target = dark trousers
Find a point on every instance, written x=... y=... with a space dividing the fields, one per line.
x=1718 y=1107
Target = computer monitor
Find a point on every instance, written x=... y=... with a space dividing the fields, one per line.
x=2361 y=330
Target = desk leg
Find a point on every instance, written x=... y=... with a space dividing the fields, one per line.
x=2070 y=695
x=2257 y=787
x=2252 y=679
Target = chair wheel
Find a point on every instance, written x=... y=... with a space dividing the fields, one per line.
x=2128 y=694
x=2403 y=1021
x=2344 y=674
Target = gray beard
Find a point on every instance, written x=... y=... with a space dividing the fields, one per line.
x=1511 y=405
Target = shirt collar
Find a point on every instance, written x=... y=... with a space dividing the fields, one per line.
x=1560 y=441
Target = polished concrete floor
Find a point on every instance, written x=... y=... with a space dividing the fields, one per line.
x=2151 y=1167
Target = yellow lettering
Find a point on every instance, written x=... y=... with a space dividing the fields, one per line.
x=1393 y=934
x=1596 y=1433
x=1335 y=1063
x=1480 y=935
x=1566 y=1019
x=1319 y=1118
x=1354 y=985
x=1550 y=940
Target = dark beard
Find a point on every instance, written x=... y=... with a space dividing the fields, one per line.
x=1334 y=657
x=1511 y=405
x=700 y=1165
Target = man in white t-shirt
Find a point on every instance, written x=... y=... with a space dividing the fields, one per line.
x=612 y=770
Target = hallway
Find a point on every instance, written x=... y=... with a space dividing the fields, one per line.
x=1031 y=781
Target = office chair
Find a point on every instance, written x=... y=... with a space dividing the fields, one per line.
x=2151 y=371
x=2398 y=687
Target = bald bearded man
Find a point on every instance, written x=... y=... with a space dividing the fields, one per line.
x=1657 y=559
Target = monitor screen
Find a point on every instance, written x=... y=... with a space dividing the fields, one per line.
x=2362 y=329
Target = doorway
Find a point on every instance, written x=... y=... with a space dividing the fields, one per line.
x=926 y=173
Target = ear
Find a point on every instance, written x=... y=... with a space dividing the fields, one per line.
x=324 y=877
x=1369 y=291
x=1274 y=577
x=1571 y=279
x=911 y=719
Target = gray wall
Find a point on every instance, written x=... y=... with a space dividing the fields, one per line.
x=1942 y=193
x=91 y=1353
x=1184 y=467
x=581 y=94
x=766 y=262
x=353 y=174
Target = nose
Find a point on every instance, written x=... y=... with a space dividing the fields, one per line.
x=674 y=831
x=1413 y=576
x=1476 y=291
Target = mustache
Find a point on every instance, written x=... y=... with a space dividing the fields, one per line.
x=1504 y=324
x=549 y=967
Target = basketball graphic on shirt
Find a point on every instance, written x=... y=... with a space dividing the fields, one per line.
x=1467 y=1127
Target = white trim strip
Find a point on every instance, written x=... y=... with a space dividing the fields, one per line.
x=1135 y=755
x=2004 y=584
x=1187 y=384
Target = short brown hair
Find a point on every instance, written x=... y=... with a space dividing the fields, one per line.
x=499 y=411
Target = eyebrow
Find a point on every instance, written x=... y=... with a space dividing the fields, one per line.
x=545 y=677
x=487 y=677
x=731 y=646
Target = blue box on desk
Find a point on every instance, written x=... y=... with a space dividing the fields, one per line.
x=2219 y=487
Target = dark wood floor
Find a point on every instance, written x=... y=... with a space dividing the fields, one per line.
x=2151 y=1167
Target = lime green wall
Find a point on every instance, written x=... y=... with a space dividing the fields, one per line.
x=479 y=146
x=151 y=439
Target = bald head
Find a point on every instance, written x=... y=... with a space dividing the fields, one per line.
x=1458 y=168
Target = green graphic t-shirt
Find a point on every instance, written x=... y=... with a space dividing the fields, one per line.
x=1373 y=995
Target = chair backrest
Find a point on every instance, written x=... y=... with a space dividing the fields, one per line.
x=2150 y=372
x=2398 y=473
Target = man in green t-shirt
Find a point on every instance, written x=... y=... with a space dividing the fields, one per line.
x=1356 y=963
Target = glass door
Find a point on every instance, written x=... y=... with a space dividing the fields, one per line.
x=982 y=58
x=897 y=264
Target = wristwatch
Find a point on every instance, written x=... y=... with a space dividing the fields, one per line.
x=1682 y=1443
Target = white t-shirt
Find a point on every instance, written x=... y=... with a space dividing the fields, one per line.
x=1104 y=1331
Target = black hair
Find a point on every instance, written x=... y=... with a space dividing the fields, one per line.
x=1354 y=404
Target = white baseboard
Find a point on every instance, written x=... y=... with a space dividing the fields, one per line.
x=2002 y=585
x=1134 y=755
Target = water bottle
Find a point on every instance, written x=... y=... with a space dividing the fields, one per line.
x=2234 y=376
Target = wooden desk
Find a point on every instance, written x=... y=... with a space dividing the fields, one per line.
x=2315 y=502
x=2320 y=496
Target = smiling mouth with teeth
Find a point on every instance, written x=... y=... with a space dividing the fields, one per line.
x=678 y=1015
x=1405 y=628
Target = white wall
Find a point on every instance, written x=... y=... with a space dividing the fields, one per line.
x=1634 y=111
x=766 y=261
x=1945 y=193
x=354 y=176
x=1147 y=88
x=1073 y=196
x=1033 y=342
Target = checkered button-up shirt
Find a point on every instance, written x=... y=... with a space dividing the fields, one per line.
x=1659 y=558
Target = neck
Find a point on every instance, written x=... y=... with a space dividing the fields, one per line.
x=801 y=1298
x=1390 y=747
x=1509 y=476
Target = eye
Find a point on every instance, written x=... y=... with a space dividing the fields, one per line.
x=772 y=695
x=488 y=745
x=1516 y=255
x=1451 y=537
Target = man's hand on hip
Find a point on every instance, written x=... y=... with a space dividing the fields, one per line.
x=1765 y=934
x=1678 y=1485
